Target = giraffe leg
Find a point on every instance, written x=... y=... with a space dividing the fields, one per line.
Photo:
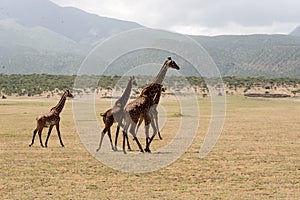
x=101 y=139
x=155 y=117
x=111 y=143
x=34 y=133
x=139 y=124
x=139 y=144
x=116 y=139
x=124 y=136
x=147 y=137
x=147 y=123
x=155 y=128
x=125 y=130
x=147 y=149
x=159 y=135
x=128 y=145
x=48 y=135
x=151 y=139
x=58 y=133
x=40 y=136
x=132 y=131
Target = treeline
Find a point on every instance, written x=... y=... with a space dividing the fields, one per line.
x=267 y=83
x=35 y=84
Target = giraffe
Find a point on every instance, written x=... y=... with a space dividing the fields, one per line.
x=52 y=118
x=169 y=63
x=134 y=110
x=153 y=114
x=115 y=114
x=139 y=108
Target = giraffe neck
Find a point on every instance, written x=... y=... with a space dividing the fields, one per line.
x=157 y=97
x=60 y=105
x=125 y=96
x=161 y=75
x=155 y=86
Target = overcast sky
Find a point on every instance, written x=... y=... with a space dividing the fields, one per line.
x=200 y=17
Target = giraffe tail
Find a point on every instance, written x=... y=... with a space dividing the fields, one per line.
x=104 y=114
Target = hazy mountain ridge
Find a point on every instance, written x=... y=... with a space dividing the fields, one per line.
x=76 y=24
x=296 y=32
x=254 y=55
x=36 y=50
x=38 y=36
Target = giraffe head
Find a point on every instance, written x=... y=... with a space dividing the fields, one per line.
x=68 y=94
x=132 y=80
x=171 y=63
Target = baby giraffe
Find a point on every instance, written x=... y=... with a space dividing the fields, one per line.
x=115 y=114
x=52 y=118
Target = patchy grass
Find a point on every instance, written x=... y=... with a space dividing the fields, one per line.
x=256 y=157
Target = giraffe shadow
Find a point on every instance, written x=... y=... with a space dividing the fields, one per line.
x=159 y=152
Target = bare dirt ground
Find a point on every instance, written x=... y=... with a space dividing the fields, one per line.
x=256 y=157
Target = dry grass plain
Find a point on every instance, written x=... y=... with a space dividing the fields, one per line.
x=256 y=157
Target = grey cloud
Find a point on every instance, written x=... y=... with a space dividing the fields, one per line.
x=202 y=13
x=245 y=13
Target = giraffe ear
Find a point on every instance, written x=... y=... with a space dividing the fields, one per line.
x=169 y=58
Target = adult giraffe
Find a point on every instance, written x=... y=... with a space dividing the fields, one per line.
x=136 y=109
x=52 y=118
x=153 y=114
x=139 y=108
